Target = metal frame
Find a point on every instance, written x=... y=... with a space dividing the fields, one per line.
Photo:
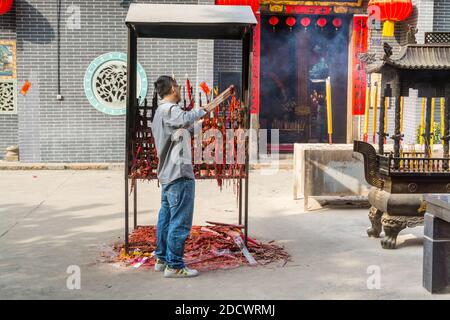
x=177 y=30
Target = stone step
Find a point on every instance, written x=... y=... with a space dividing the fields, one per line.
x=7 y=165
x=283 y=164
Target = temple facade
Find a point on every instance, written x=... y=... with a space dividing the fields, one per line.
x=62 y=79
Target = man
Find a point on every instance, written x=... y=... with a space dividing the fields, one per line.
x=176 y=175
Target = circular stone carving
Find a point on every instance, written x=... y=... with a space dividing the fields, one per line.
x=105 y=83
x=412 y=187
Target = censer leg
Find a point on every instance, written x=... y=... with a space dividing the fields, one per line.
x=392 y=226
x=375 y=220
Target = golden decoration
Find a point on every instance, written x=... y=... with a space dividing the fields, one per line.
x=276 y=8
x=340 y=9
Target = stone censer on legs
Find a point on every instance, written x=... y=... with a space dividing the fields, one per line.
x=399 y=178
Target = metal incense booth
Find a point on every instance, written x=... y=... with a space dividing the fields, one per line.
x=400 y=178
x=182 y=22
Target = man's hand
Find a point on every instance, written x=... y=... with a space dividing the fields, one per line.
x=219 y=99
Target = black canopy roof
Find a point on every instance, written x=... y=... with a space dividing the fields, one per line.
x=190 y=21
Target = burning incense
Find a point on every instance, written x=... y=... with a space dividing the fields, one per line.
x=374 y=114
x=433 y=104
x=366 y=114
x=402 y=105
x=221 y=98
x=422 y=122
x=184 y=97
x=442 y=100
x=386 y=106
x=329 y=111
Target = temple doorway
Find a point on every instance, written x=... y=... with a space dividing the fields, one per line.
x=295 y=62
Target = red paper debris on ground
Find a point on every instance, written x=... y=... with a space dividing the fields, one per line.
x=207 y=248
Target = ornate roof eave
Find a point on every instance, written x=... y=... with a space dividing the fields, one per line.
x=375 y=67
x=415 y=57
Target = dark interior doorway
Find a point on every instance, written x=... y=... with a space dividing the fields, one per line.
x=294 y=64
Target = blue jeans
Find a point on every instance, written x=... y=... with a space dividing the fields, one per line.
x=174 y=221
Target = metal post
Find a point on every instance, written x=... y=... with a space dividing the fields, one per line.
x=374 y=115
x=397 y=137
x=135 y=204
x=131 y=97
x=381 y=127
x=246 y=71
x=242 y=101
x=427 y=134
x=381 y=134
x=240 y=199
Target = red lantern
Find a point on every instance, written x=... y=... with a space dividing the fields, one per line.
x=337 y=23
x=322 y=22
x=290 y=21
x=5 y=6
x=389 y=12
x=252 y=3
x=305 y=21
x=273 y=21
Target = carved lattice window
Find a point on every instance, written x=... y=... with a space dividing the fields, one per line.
x=8 y=97
x=437 y=37
x=111 y=85
x=105 y=83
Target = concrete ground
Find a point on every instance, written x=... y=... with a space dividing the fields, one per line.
x=50 y=220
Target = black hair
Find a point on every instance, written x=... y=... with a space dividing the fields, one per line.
x=162 y=88
x=163 y=85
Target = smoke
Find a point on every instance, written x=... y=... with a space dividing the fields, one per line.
x=324 y=52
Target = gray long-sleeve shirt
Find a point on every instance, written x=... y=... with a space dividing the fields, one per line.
x=174 y=151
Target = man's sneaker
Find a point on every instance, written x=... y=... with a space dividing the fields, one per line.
x=180 y=273
x=159 y=265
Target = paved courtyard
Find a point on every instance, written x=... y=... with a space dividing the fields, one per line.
x=52 y=219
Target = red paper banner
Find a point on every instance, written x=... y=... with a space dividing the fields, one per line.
x=255 y=67
x=359 y=45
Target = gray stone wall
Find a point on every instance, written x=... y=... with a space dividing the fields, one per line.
x=72 y=130
x=441 y=22
x=227 y=57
